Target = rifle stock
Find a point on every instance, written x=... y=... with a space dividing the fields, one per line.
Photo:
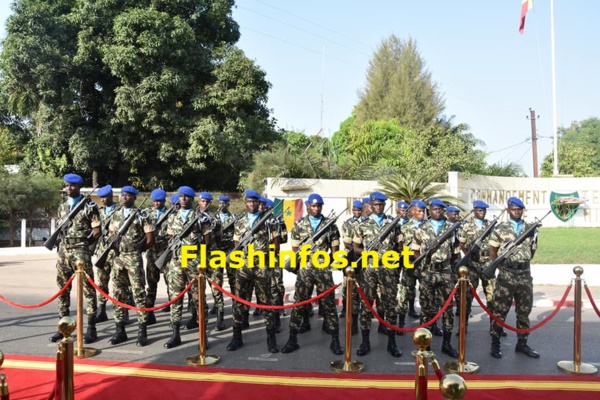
x=142 y=242
x=175 y=242
x=50 y=243
x=478 y=242
x=490 y=270
x=249 y=235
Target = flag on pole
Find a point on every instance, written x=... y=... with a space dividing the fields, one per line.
x=525 y=6
x=292 y=211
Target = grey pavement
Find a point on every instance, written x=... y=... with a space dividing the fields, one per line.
x=30 y=278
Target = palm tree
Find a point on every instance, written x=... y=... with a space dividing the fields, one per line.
x=421 y=186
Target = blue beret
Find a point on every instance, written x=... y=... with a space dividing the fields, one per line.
x=73 y=179
x=377 y=196
x=224 y=198
x=357 y=204
x=130 y=190
x=252 y=194
x=315 y=199
x=269 y=203
x=205 y=196
x=365 y=200
x=305 y=202
x=452 y=209
x=437 y=203
x=262 y=200
x=515 y=202
x=158 y=195
x=418 y=204
x=480 y=204
x=402 y=204
x=105 y=191
x=175 y=198
x=188 y=191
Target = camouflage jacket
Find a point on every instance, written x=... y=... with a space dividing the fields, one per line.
x=262 y=238
x=82 y=224
x=408 y=231
x=504 y=234
x=469 y=234
x=425 y=237
x=177 y=223
x=138 y=229
x=160 y=237
x=104 y=239
x=227 y=235
x=367 y=231
x=302 y=230
x=348 y=229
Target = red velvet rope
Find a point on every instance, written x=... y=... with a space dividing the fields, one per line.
x=438 y=372
x=397 y=329
x=531 y=329
x=43 y=303
x=587 y=290
x=268 y=307
x=143 y=309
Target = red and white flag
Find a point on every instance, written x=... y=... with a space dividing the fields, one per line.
x=525 y=6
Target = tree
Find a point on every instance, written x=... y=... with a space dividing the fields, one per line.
x=578 y=150
x=149 y=92
x=419 y=186
x=399 y=86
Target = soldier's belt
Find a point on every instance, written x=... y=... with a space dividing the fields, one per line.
x=128 y=249
x=71 y=240
x=517 y=266
x=439 y=266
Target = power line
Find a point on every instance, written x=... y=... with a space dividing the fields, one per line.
x=509 y=147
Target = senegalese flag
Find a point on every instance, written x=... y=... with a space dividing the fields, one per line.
x=292 y=211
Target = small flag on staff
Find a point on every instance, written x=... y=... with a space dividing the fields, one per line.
x=525 y=6
x=292 y=211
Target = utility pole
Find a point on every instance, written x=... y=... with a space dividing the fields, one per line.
x=533 y=142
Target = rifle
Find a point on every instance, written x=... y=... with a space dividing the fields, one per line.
x=249 y=235
x=175 y=242
x=474 y=250
x=67 y=222
x=104 y=232
x=313 y=239
x=117 y=237
x=161 y=221
x=439 y=241
x=511 y=247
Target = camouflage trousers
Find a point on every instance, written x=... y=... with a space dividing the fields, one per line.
x=307 y=280
x=436 y=282
x=407 y=292
x=474 y=275
x=386 y=280
x=216 y=275
x=277 y=288
x=66 y=265
x=509 y=286
x=247 y=278
x=153 y=273
x=128 y=272
x=103 y=277
x=177 y=279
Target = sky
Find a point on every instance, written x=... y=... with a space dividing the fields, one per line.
x=316 y=54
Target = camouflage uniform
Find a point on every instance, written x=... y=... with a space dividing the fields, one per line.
x=103 y=274
x=216 y=274
x=514 y=279
x=227 y=244
x=73 y=248
x=128 y=267
x=408 y=282
x=348 y=234
x=467 y=236
x=435 y=274
x=153 y=253
x=177 y=276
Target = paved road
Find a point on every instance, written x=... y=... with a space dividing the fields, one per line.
x=31 y=279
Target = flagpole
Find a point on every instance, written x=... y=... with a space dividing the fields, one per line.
x=554 y=116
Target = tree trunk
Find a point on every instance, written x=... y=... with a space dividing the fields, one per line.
x=11 y=229
x=94 y=177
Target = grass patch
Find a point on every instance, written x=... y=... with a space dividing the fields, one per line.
x=568 y=246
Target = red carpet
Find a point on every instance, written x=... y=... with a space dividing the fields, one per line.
x=33 y=378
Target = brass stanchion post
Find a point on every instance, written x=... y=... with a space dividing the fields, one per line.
x=347 y=365
x=576 y=366
x=422 y=339
x=66 y=326
x=3 y=385
x=461 y=366
x=80 y=351
x=453 y=387
x=202 y=358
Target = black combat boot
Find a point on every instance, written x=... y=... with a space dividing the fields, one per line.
x=365 y=346
x=305 y=325
x=392 y=347
x=381 y=328
x=272 y=340
x=245 y=323
x=411 y=310
x=120 y=336
x=101 y=316
x=401 y=324
x=335 y=346
x=175 y=339
x=56 y=337
x=354 y=324
x=192 y=322
x=325 y=328
x=496 y=352
x=150 y=318
x=142 y=338
x=447 y=347
x=277 y=317
x=435 y=329
x=236 y=341
x=90 y=334
x=292 y=343
x=220 y=326
x=523 y=347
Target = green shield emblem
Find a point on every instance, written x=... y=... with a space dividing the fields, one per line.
x=564 y=205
